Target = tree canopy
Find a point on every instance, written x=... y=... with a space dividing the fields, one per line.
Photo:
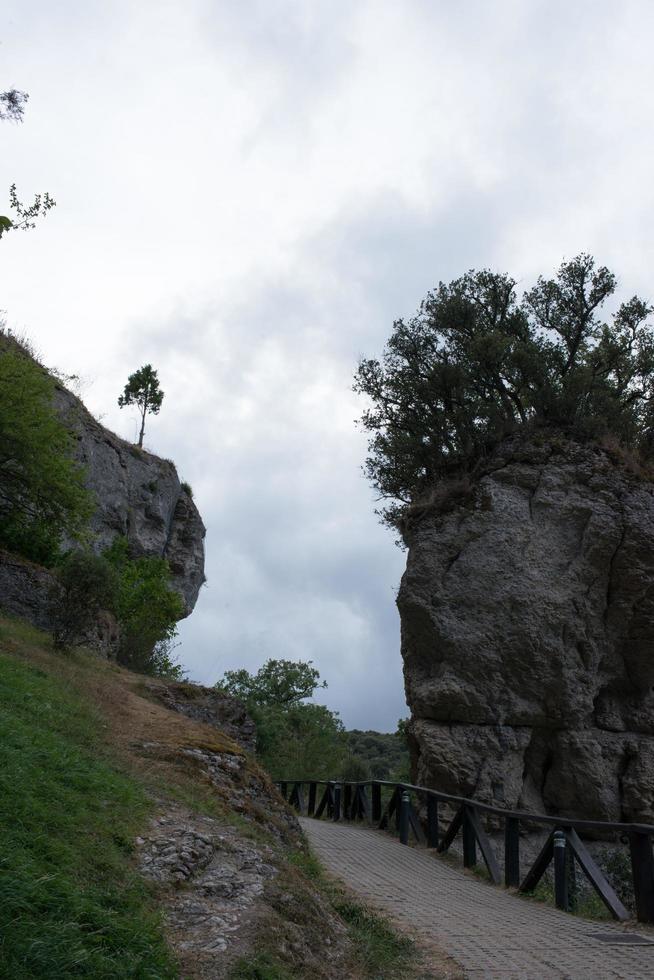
x=12 y=104
x=477 y=363
x=146 y=607
x=142 y=389
x=280 y=683
x=294 y=735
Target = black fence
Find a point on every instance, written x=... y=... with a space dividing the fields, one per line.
x=416 y=811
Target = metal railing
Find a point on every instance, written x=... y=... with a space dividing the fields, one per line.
x=563 y=846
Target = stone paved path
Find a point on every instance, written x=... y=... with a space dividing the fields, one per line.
x=488 y=931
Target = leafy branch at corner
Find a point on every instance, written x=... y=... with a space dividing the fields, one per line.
x=12 y=107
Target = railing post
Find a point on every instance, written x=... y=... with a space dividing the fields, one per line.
x=469 y=841
x=347 y=802
x=330 y=801
x=405 y=803
x=399 y=789
x=363 y=804
x=311 y=806
x=337 y=802
x=432 y=821
x=376 y=802
x=560 y=876
x=642 y=869
x=512 y=852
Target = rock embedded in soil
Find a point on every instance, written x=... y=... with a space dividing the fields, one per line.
x=527 y=612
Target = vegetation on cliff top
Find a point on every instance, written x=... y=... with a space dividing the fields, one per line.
x=476 y=364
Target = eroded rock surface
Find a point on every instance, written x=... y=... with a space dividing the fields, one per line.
x=222 y=893
x=223 y=872
x=527 y=615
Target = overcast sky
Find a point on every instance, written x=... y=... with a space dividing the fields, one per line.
x=248 y=194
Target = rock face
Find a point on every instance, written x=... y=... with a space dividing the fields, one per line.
x=139 y=496
x=25 y=590
x=527 y=615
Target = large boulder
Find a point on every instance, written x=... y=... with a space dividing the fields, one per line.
x=527 y=611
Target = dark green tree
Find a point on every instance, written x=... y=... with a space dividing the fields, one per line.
x=476 y=364
x=280 y=683
x=85 y=584
x=147 y=609
x=296 y=738
x=142 y=389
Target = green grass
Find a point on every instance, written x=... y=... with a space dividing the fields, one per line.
x=71 y=904
x=260 y=966
x=380 y=950
x=588 y=905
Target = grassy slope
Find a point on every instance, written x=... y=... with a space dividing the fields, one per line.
x=75 y=792
x=70 y=903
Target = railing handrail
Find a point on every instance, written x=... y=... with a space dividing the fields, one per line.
x=525 y=815
x=348 y=798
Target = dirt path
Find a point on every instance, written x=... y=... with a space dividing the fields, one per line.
x=488 y=931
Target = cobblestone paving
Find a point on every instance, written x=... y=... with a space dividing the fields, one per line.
x=488 y=931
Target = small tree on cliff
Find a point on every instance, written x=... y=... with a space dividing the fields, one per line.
x=142 y=389
x=476 y=364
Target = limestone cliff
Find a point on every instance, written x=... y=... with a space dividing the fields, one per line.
x=137 y=495
x=527 y=612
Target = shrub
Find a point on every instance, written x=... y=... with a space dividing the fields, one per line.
x=147 y=609
x=295 y=739
x=187 y=488
x=85 y=585
x=42 y=493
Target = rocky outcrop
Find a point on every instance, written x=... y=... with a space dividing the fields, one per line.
x=206 y=704
x=139 y=496
x=25 y=590
x=527 y=613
